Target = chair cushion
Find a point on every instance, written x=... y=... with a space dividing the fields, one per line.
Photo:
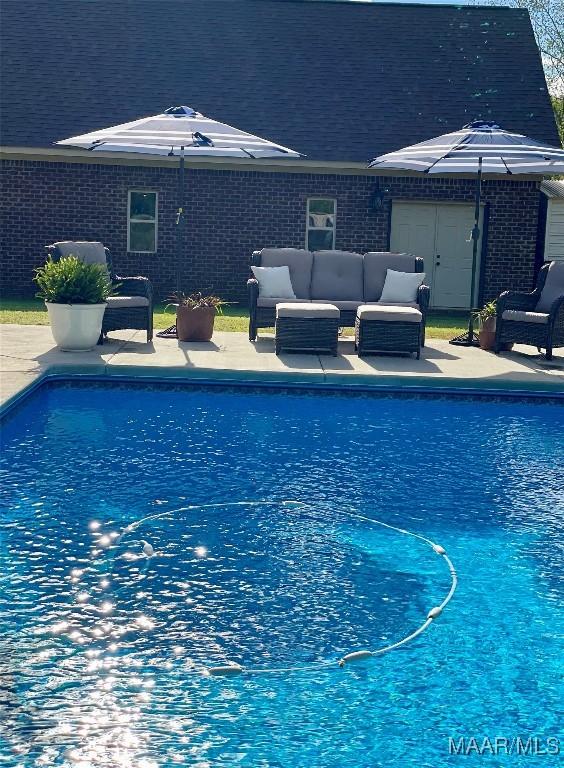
x=401 y=286
x=520 y=316
x=120 y=302
x=299 y=263
x=389 y=313
x=271 y=302
x=274 y=281
x=337 y=274
x=88 y=252
x=376 y=265
x=307 y=310
x=553 y=287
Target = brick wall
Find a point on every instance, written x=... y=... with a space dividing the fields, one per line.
x=230 y=214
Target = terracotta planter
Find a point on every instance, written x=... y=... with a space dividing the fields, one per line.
x=486 y=337
x=195 y=324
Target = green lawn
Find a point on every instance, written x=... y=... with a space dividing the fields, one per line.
x=440 y=325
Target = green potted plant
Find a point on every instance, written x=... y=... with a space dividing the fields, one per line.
x=195 y=315
x=75 y=295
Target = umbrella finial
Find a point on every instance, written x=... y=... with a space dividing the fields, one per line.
x=483 y=125
x=182 y=111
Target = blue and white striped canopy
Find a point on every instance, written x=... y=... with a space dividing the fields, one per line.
x=460 y=152
x=177 y=128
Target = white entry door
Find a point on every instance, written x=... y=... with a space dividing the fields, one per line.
x=440 y=234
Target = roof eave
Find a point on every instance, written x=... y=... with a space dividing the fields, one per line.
x=279 y=165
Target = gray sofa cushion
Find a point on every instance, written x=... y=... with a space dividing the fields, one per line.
x=265 y=301
x=298 y=261
x=376 y=264
x=342 y=304
x=337 y=275
x=553 y=287
x=88 y=252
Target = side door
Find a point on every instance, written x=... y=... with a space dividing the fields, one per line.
x=453 y=257
x=413 y=231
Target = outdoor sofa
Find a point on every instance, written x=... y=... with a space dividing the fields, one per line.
x=535 y=318
x=341 y=278
x=132 y=306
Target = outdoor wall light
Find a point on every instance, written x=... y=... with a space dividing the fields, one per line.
x=378 y=198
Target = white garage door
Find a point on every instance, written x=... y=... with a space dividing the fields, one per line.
x=440 y=234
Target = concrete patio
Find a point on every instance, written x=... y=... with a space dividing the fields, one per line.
x=28 y=352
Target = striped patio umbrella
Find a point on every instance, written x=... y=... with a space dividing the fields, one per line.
x=478 y=148
x=179 y=132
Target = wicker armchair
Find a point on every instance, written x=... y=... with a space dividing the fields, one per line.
x=535 y=318
x=132 y=307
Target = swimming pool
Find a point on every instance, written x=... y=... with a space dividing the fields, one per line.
x=102 y=647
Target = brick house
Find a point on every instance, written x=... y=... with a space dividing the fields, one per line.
x=340 y=82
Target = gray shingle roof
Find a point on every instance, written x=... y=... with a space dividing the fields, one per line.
x=338 y=81
x=553 y=188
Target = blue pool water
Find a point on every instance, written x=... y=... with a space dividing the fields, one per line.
x=101 y=647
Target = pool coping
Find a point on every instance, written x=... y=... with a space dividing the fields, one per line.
x=423 y=385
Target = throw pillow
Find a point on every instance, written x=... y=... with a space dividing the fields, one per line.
x=274 y=282
x=401 y=287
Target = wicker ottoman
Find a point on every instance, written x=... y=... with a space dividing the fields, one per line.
x=387 y=329
x=307 y=327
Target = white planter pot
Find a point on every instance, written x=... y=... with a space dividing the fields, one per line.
x=76 y=327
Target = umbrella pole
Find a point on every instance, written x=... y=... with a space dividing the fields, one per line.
x=179 y=218
x=469 y=339
x=171 y=333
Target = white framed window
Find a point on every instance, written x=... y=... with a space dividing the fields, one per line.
x=321 y=222
x=142 y=220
